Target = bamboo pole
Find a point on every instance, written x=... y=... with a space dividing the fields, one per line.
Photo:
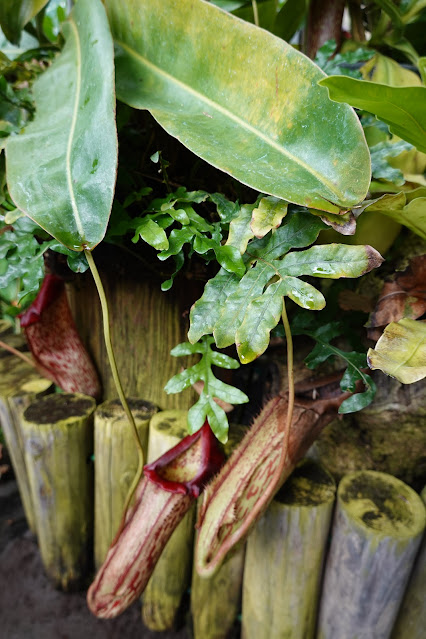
x=216 y=600
x=58 y=432
x=171 y=577
x=116 y=461
x=285 y=555
x=15 y=374
x=377 y=529
x=411 y=620
x=12 y=407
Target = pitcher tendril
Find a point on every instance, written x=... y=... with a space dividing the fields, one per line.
x=117 y=381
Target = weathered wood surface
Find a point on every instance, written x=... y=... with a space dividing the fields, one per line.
x=116 y=462
x=171 y=577
x=15 y=375
x=216 y=600
x=58 y=433
x=377 y=529
x=145 y=325
x=388 y=436
x=12 y=407
x=284 y=558
x=411 y=620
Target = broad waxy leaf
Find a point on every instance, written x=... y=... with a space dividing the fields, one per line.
x=15 y=14
x=268 y=215
x=408 y=209
x=240 y=98
x=61 y=170
x=402 y=108
x=330 y=261
x=401 y=351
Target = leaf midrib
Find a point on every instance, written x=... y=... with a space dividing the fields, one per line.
x=74 y=206
x=232 y=116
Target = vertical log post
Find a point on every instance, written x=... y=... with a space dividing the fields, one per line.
x=377 y=529
x=284 y=558
x=216 y=600
x=58 y=433
x=170 y=580
x=15 y=375
x=116 y=462
x=411 y=620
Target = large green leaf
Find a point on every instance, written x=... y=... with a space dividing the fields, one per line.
x=408 y=209
x=242 y=99
x=14 y=15
x=403 y=108
x=401 y=351
x=61 y=170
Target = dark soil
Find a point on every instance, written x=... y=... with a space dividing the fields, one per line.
x=30 y=608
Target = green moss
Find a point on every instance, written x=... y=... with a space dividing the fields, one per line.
x=309 y=485
x=382 y=503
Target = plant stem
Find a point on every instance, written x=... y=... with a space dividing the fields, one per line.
x=117 y=381
x=290 y=376
x=17 y=353
x=255 y=12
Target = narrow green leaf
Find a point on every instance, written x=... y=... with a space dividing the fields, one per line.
x=302 y=293
x=183 y=349
x=262 y=315
x=249 y=288
x=152 y=234
x=237 y=96
x=239 y=229
x=268 y=215
x=330 y=261
x=401 y=351
x=298 y=230
x=15 y=14
x=230 y=259
x=177 y=238
x=217 y=420
x=227 y=393
x=224 y=361
x=358 y=401
x=207 y=310
x=61 y=170
x=183 y=380
x=197 y=414
x=402 y=108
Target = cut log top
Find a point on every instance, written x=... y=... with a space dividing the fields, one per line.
x=62 y=407
x=309 y=485
x=113 y=409
x=166 y=429
x=15 y=372
x=382 y=504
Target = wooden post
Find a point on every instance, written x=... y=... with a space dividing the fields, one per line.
x=58 y=433
x=146 y=324
x=15 y=374
x=377 y=529
x=116 y=462
x=284 y=558
x=12 y=406
x=411 y=621
x=216 y=600
x=171 y=577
